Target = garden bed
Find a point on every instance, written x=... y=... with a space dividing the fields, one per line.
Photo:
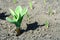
x=34 y=28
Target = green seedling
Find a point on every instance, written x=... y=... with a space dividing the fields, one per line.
x=30 y=4
x=50 y=11
x=46 y=24
x=18 y=15
x=45 y=2
x=14 y=1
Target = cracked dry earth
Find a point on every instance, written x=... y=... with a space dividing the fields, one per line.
x=34 y=28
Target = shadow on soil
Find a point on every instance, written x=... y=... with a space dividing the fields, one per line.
x=3 y=16
x=32 y=26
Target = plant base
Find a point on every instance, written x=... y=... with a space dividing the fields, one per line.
x=18 y=31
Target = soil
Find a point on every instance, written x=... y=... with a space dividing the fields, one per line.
x=34 y=28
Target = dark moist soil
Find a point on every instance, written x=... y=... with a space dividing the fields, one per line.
x=34 y=28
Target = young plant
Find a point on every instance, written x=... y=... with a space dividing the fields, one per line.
x=18 y=15
x=46 y=24
x=30 y=4
x=45 y=2
x=14 y=1
x=50 y=11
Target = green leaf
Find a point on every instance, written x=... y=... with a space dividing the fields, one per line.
x=18 y=10
x=30 y=4
x=10 y=20
x=12 y=12
x=14 y=1
x=46 y=24
x=24 y=11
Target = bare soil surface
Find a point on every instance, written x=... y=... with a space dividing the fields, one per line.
x=34 y=28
